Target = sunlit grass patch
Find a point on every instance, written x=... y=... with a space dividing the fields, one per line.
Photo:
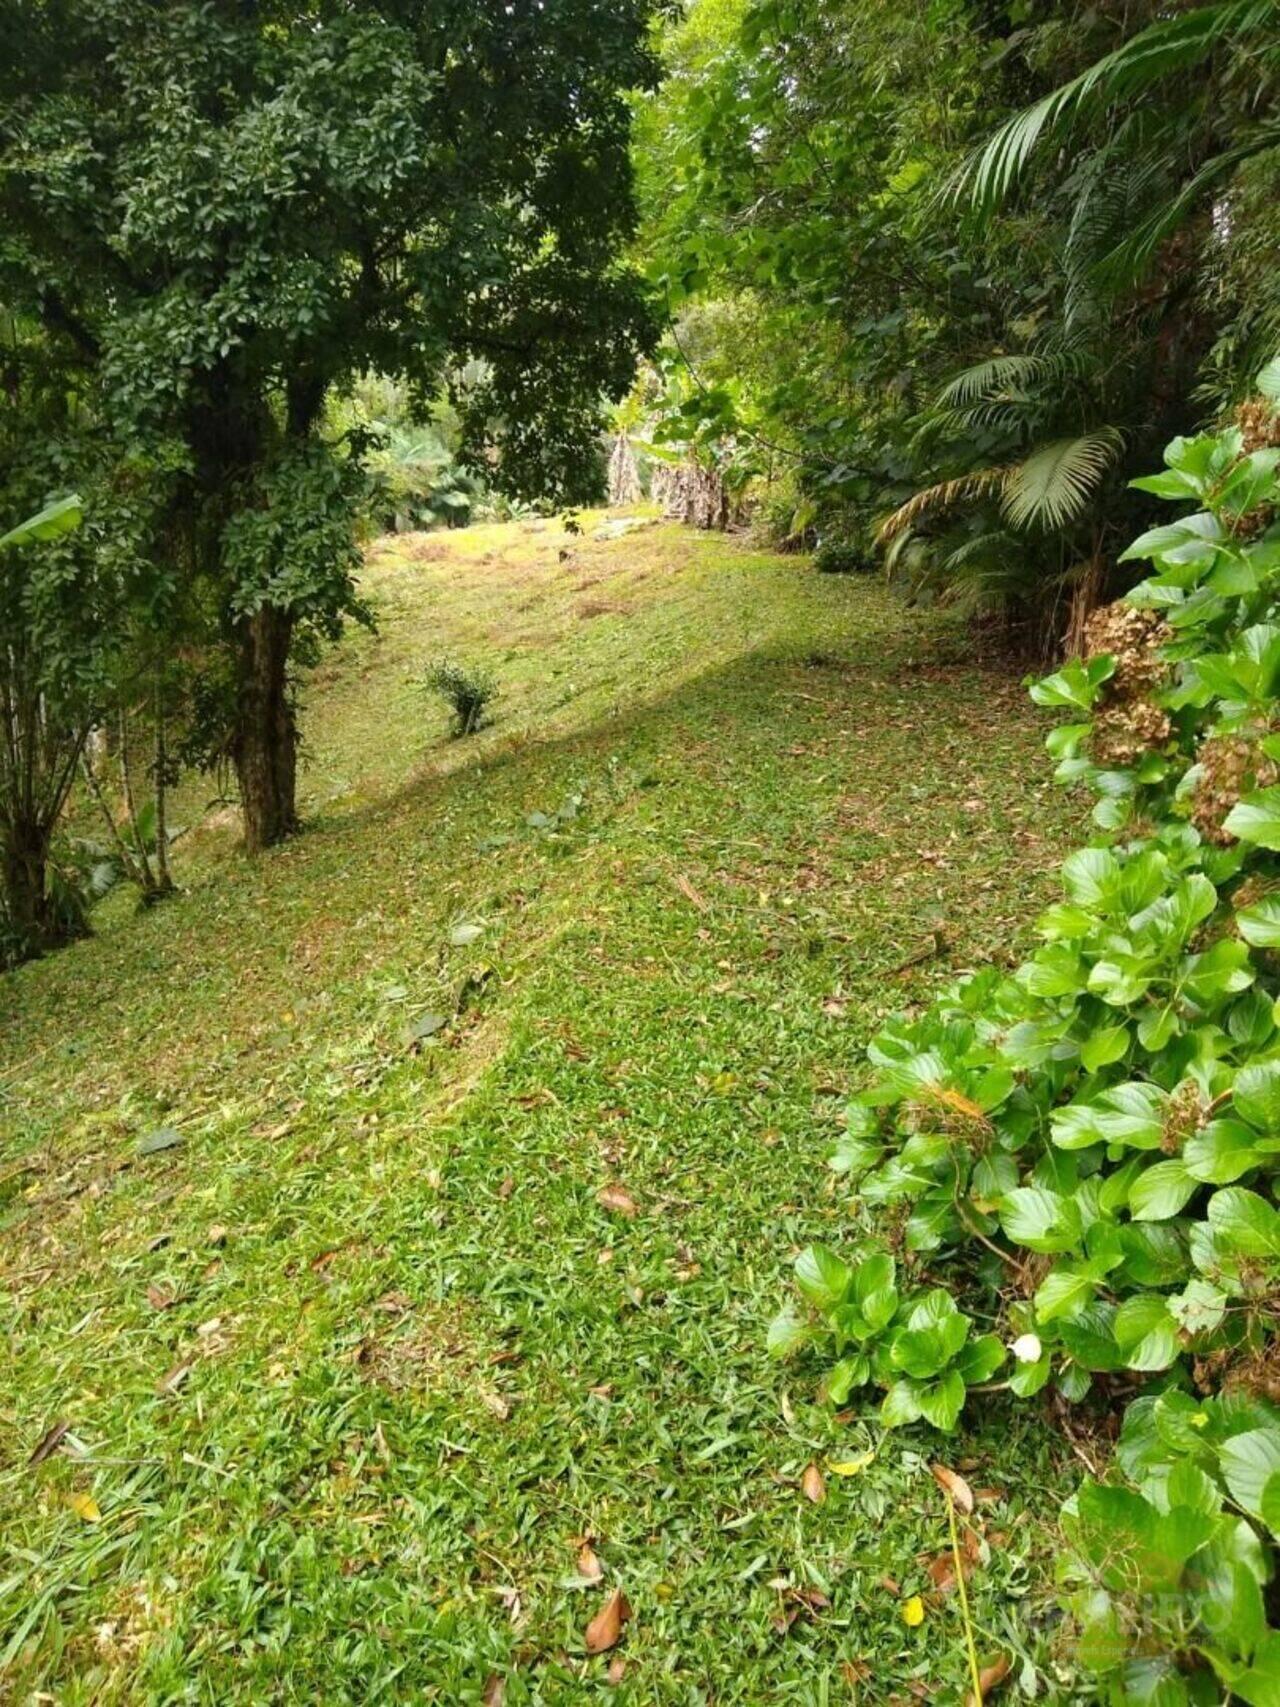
x=502 y=1096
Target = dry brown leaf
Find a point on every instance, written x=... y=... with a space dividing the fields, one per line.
x=588 y=1563
x=605 y=1629
x=941 y=1572
x=495 y=1402
x=989 y=1680
x=495 y=1690
x=159 y=1298
x=689 y=892
x=507 y=1187
x=619 y=1199
x=812 y=1485
x=173 y=1380
x=617 y=1670
x=217 y=1235
x=954 y=1486
x=49 y=1442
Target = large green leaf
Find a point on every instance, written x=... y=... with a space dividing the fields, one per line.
x=1256 y=818
x=822 y=1276
x=1249 y=1461
x=1041 y=1220
x=55 y=519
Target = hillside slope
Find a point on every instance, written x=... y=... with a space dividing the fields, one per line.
x=501 y=1098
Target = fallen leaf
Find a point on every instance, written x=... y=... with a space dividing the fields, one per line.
x=619 y=1199
x=461 y=935
x=913 y=1612
x=954 y=1486
x=617 y=1670
x=851 y=1466
x=507 y=1187
x=588 y=1563
x=163 y=1138
x=173 y=1380
x=85 y=1506
x=427 y=1025
x=49 y=1442
x=605 y=1628
x=689 y=892
x=941 y=1572
x=495 y=1402
x=989 y=1680
x=812 y=1485
x=159 y=1298
x=217 y=1234
x=890 y=1584
x=495 y=1690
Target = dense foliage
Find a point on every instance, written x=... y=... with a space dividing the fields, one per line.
x=216 y=216
x=1094 y=1140
x=896 y=291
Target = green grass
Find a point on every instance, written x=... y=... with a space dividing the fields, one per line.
x=425 y=1361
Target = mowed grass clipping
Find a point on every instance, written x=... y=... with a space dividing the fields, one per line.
x=394 y=1222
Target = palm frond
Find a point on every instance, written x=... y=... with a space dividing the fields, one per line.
x=1268 y=381
x=980 y=483
x=1001 y=373
x=1055 y=483
x=1125 y=264
x=1171 y=44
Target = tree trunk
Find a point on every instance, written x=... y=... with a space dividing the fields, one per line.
x=164 y=877
x=266 y=738
x=28 y=915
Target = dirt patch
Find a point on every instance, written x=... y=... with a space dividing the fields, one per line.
x=599 y=607
x=411 y=1345
x=422 y=548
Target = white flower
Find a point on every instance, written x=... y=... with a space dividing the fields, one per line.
x=1026 y=1348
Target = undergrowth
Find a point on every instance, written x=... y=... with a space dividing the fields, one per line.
x=1087 y=1148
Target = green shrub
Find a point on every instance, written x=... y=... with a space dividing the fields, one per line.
x=467 y=691
x=842 y=556
x=1094 y=1140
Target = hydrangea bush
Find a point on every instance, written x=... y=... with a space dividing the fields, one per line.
x=1093 y=1141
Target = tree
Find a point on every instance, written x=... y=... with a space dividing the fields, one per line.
x=54 y=616
x=224 y=211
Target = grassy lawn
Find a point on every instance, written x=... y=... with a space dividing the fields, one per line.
x=496 y=1140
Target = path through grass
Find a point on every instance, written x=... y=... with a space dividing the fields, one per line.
x=410 y=1317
